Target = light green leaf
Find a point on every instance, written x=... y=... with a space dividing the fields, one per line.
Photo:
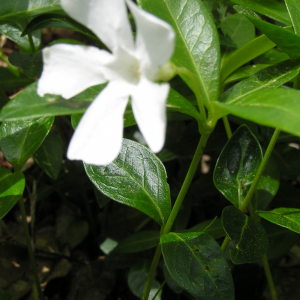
x=20 y=139
x=237 y=165
x=12 y=81
x=195 y=261
x=11 y=189
x=50 y=154
x=270 y=8
x=246 y=233
x=293 y=8
x=136 y=178
x=285 y=217
x=13 y=10
x=139 y=241
x=197 y=42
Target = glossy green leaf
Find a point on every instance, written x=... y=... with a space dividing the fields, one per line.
x=12 y=81
x=270 y=8
x=50 y=154
x=11 y=189
x=244 y=72
x=31 y=64
x=272 y=57
x=278 y=108
x=57 y=21
x=5 y=296
x=197 y=42
x=14 y=30
x=237 y=165
x=286 y=40
x=293 y=8
x=246 y=233
x=14 y=9
x=285 y=217
x=239 y=29
x=136 y=178
x=195 y=261
x=20 y=139
x=139 y=241
x=271 y=77
x=137 y=278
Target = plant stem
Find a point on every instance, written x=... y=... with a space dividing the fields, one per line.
x=29 y=248
x=187 y=182
x=269 y=277
x=227 y=127
x=190 y=75
x=225 y=244
x=160 y=288
x=152 y=272
x=31 y=42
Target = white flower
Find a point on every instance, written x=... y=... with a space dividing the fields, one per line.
x=131 y=70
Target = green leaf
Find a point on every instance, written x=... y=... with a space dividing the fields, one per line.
x=237 y=165
x=10 y=81
x=11 y=189
x=50 y=154
x=31 y=64
x=246 y=233
x=244 y=72
x=137 y=278
x=136 y=178
x=138 y=242
x=101 y=199
x=195 y=261
x=293 y=8
x=270 y=8
x=5 y=296
x=239 y=29
x=285 y=217
x=57 y=21
x=273 y=56
x=14 y=30
x=20 y=139
x=14 y=9
x=197 y=41
x=278 y=108
x=286 y=40
x=271 y=77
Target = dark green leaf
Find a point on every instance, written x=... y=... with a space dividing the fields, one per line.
x=195 y=261
x=237 y=166
x=197 y=42
x=239 y=29
x=136 y=178
x=57 y=21
x=273 y=56
x=246 y=233
x=14 y=30
x=31 y=64
x=20 y=139
x=277 y=108
x=101 y=199
x=3 y=97
x=10 y=81
x=137 y=279
x=138 y=242
x=270 y=8
x=14 y=9
x=271 y=77
x=293 y=8
x=171 y=282
x=5 y=296
x=285 y=217
x=50 y=154
x=11 y=189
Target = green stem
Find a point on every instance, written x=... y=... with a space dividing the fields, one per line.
x=269 y=277
x=187 y=182
x=190 y=75
x=160 y=288
x=29 y=248
x=227 y=127
x=225 y=244
x=152 y=272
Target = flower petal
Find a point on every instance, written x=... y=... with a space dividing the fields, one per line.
x=108 y=19
x=155 y=40
x=149 y=109
x=70 y=69
x=98 y=137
